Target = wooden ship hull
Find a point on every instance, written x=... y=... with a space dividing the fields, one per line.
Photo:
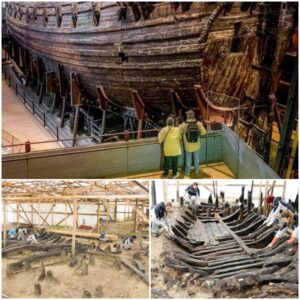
x=152 y=57
x=226 y=250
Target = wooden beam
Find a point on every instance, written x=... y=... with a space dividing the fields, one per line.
x=98 y=218
x=16 y=212
x=25 y=214
x=68 y=197
x=49 y=213
x=4 y=223
x=135 y=221
x=83 y=234
x=40 y=216
x=265 y=210
x=75 y=208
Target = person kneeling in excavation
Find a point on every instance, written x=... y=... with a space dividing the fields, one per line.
x=159 y=219
x=279 y=206
x=192 y=194
x=129 y=242
x=289 y=220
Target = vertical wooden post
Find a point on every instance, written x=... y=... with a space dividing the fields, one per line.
x=283 y=190
x=177 y=191
x=103 y=125
x=31 y=212
x=40 y=220
x=63 y=110
x=66 y=211
x=116 y=210
x=4 y=222
x=107 y=207
x=265 y=210
x=75 y=127
x=98 y=217
x=165 y=190
x=260 y=198
x=135 y=216
x=18 y=212
x=75 y=208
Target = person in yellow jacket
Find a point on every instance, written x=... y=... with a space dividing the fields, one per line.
x=170 y=137
x=191 y=130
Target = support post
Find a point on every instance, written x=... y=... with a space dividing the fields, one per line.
x=63 y=111
x=75 y=124
x=265 y=210
x=18 y=212
x=4 y=222
x=41 y=92
x=75 y=211
x=139 y=108
x=282 y=155
x=135 y=216
x=103 y=104
x=165 y=190
x=98 y=218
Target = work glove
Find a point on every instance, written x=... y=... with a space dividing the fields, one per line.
x=274 y=241
x=292 y=240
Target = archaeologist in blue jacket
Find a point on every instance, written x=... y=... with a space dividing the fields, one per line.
x=278 y=207
x=192 y=194
x=159 y=219
x=191 y=130
x=289 y=220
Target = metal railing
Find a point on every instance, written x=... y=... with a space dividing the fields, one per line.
x=10 y=143
x=125 y=136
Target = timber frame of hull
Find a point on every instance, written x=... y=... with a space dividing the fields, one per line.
x=158 y=58
x=234 y=256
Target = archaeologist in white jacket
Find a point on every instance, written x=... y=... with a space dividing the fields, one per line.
x=275 y=215
x=159 y=219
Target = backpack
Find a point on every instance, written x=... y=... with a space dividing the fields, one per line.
x=192 y=132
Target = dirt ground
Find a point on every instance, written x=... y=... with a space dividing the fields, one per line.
x=115 y=283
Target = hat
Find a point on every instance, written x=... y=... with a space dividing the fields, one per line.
x=190 y=114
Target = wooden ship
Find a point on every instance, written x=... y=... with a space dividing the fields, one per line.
x=232 y=62
x=225 y=250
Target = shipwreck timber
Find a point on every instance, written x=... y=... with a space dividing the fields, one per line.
x=131 y=63
x=225 y=251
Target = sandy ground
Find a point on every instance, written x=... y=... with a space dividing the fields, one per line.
x=115 y=283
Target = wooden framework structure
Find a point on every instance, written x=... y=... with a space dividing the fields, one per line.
x=266 y=188
x=74 y=193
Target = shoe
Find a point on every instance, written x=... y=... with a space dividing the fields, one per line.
x=176 y=176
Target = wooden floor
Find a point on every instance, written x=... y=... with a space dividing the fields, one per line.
x=219 y=170
x=19 y=122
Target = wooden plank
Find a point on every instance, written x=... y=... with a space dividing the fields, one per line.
x=238 y=240
x=135 y=270
x=82 y=234
x=4 y=223
x=25 y=214
x=75 y=209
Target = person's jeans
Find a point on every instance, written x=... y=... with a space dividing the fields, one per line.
x=188 y=161
x=170 y=160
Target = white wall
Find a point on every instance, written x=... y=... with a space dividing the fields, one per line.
x=54 y=218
